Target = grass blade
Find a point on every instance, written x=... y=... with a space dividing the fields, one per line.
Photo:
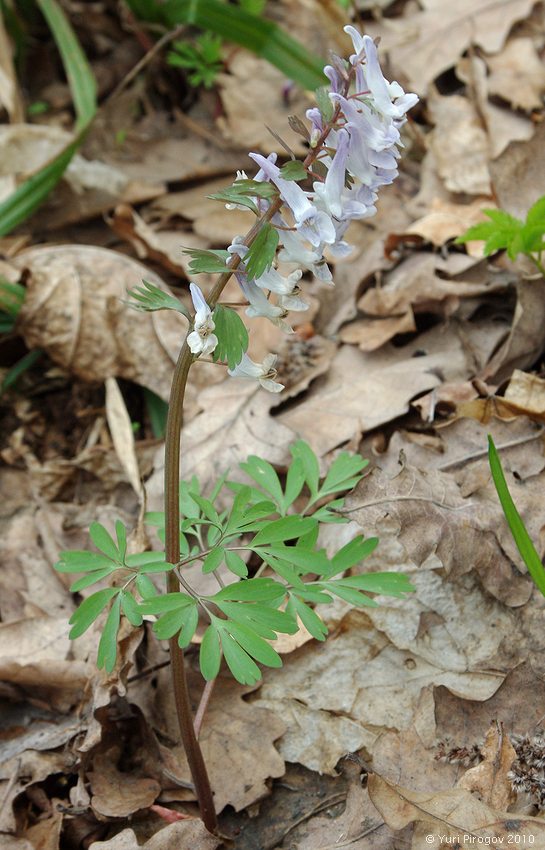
x=261 y=36
x=80 y=76
x=521 y=537
x=30 y=194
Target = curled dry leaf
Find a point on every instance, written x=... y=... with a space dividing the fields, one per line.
x=526 y=339
x=456 y=815
x=489 y=779
x=459 y=144
x=117 y=794
x=517 y=74
x=188 y=833
x=75 y=311
x=424 y=44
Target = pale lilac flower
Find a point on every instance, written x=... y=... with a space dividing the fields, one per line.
x=264 y=372
x=291 y=193
x=261 y=306
x=201 y=340
x=382 y=92
x=295 y=251
x=293 y=302
x=275 y=282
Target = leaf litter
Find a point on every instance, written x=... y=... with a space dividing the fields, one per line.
x=419 y=352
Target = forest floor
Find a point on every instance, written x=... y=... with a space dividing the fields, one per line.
x=421 y=350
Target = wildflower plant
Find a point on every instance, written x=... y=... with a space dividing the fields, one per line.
x=263 y=534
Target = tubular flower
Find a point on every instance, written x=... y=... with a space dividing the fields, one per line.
x=201 y=340
x=354 y=150
x=264 y=372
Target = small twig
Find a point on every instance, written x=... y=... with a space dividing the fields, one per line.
x=145 y=60
x=203 y=705
x=483 y=452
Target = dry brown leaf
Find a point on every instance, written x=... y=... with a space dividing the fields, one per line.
x=122 y=433
x=75 y=310
x=454 y=816
x=432 y=518
x=527 y=392
x=237 y=739
x=447 y=220
x=117 y=794
x=503 y=125
x=526 y=339
x=358 y=827
x=489 y=779
x=10 y=96
x=236 y=408
x=46 y=834
x=164 y=247
x=424 y=44
x=459 y=144
x=517 y=74
x=518 y=175
x=251 y=81
x=370 y=334
x=190 y=834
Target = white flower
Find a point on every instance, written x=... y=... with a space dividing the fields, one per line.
x=261 y=306
x=264 y=372
x=201 y=340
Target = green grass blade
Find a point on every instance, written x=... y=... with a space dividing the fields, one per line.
x=30 y=194
x=261 y=36
x=521 y=537
x=78 y=71
x=19 y=368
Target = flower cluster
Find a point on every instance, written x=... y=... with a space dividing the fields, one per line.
x=354 y=140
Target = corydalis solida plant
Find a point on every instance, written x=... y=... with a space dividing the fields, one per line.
x=302 y=210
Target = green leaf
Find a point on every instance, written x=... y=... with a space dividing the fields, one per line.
x=130 y=608
x=302 y=451
x=251 y=589
x=387 y=584
x=189 y=626
x=536 y=213
x=239 y=662
x=231 y=196
x=145 y=587
x=309 y=618
x=286 y=528
x=89 y=610
x=261 y=36
x=267 y=621
x=521 y=537
x=77 y=561
x=210 y=654
x=295 y=480
x=232 y=336
x=166 y=602
x=107 y=647
x=103 y=541
x=307 y=560
x=235 y=564
x=157 y=411
x=344 y=473
x=174 y=621
x=353 y=553
x=121 y=534
x=30 y=194
x=293 y=170
x=23 y=365
x=324 y=103
x=256 y=188
x=264 y=474
x=12 y=296
x=338 y=588
x=91 y=578
x=207 y=262
x=262 y=251
x=213 y=560
x=149 y=298
x=78 y=71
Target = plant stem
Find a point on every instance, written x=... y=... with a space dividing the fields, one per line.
x=172 y=516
